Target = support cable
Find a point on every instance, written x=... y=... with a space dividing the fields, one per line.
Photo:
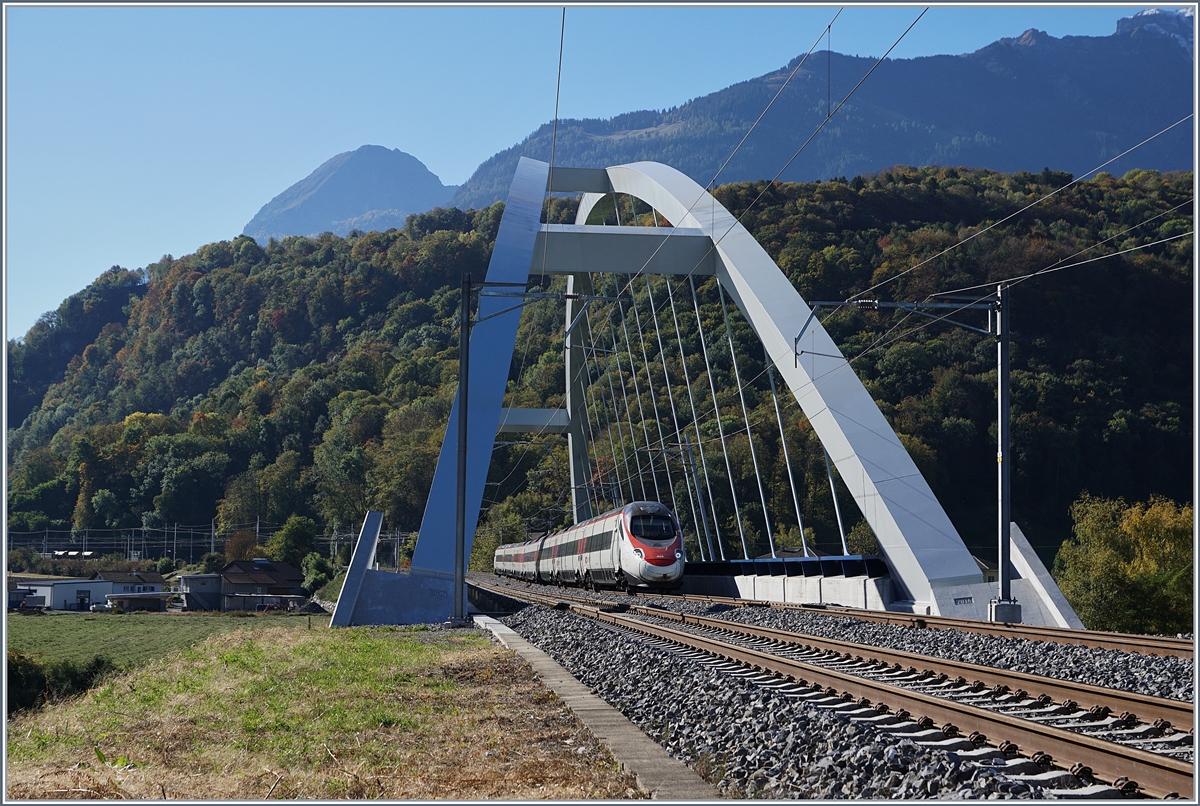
x=712 y=387
x=696 y=424
x=614 y=472
x=637 y=321
x=662 y=354
x=589 y=447
x=616 y=352
x=786 y=459
x=641 y=410
x=837 y=508
x=1010 y=216
x=616 y=410
x=880 y=344
x=762 y=495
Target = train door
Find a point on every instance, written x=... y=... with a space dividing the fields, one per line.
x=617 y=540
x=588 y=561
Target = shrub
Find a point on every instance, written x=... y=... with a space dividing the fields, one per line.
x=32 y=684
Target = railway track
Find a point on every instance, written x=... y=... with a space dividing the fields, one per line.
x=1124 y=642
x=1131 y=741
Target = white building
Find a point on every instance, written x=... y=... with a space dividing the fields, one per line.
x=71 y=594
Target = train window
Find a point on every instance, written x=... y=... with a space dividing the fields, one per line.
x=652 y=527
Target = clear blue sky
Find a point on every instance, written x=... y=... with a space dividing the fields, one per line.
x=132 y=132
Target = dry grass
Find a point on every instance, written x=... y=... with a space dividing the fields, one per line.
x=291 y=714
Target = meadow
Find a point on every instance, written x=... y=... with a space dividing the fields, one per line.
x=275 y=712
x=130 y=639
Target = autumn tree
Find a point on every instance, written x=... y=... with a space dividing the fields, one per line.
x=1128 y=568
x=242 y=546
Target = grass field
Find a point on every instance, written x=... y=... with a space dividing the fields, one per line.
x=282 y=713
x=130 y=639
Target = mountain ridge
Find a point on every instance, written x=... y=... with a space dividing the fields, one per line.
x=966 y=111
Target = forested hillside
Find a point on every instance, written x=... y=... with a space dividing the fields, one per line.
x=315 y=376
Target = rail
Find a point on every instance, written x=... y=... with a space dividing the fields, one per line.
x=1155 y=774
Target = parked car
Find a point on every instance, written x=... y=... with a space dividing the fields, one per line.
x=101 y=607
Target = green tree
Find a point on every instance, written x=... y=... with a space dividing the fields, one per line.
x=1128 y=568
x=294 y=541
x=318 y=571
x=212 y=562
x=861 y=540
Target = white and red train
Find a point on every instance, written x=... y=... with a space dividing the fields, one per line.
x=637 y=546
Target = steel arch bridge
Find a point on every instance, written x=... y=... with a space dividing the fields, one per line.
x=931 y=569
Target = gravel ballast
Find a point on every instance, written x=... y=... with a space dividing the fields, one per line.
x=1153 y=675
x=747 y=739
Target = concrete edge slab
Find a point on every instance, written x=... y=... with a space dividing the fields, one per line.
x=657 y=773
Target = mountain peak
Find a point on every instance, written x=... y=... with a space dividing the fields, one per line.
x=1032 y=37
x=372 y=186
x=1175 y=24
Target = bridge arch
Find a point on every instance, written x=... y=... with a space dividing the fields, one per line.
x=930 y=565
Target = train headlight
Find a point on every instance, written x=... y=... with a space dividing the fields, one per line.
x=639 y=553
x=679 y=554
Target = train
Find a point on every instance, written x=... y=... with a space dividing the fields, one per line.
x=638 y=545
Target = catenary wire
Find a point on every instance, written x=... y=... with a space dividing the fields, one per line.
x=974 y=235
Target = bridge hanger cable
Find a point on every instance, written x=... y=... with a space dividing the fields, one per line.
x=616 y=357
x=641 y=409
x=674 y=225
x=737 y=512
x=737 y=375
x=616 y=407
x=615 y=473
x=662 y=354
x=695 y=421
x=787 y=460
x=602 y=475
x=662 y=440
x=882 y=341
x=616 y=353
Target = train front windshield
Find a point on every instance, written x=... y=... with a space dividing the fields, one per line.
x=652 y=527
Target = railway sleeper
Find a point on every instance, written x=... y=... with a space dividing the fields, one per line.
x=1050 y=779
x=1164 y=742
x=954 y=743
x=1089 y=792
x=1142 y=732
x=1045 y=714
x=1010 y=766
